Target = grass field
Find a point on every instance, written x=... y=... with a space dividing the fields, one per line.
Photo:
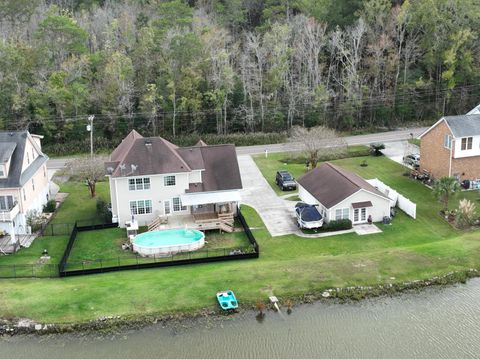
x=288 y=266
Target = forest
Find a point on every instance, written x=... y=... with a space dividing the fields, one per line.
x=242 y=71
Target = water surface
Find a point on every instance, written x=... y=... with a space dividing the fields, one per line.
x=434 y=323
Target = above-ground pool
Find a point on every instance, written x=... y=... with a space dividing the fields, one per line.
x=169 y=241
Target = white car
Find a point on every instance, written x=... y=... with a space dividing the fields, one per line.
x=308 y=216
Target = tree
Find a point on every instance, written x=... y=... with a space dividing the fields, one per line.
x=318 y=140
x=443 y=188
x=89 y=169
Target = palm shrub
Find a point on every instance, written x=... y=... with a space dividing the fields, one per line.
x=443 y=188
x=376 y=149
x=466 y=214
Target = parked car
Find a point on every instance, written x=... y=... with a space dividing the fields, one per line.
x=285 y=181
x=412 y=160
x=308 y=216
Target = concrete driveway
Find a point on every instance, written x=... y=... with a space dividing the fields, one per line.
x=275 y=212
x=398 y=149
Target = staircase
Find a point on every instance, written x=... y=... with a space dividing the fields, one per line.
x=156 y=223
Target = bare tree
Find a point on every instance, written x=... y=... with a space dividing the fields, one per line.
x=318 y=140
x=90 y=169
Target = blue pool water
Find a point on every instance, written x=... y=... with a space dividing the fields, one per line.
x=168 y=237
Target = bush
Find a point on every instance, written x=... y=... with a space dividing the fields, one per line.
x=103 y=211
x=338 y=225
x=466 y=214
x=50 y=206
x=35 y=220
x=376 y=149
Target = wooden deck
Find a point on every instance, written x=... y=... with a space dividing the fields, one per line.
x=199 y=221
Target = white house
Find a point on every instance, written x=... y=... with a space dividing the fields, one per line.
x=24 y=183
x=341 y=194
x=151 y=179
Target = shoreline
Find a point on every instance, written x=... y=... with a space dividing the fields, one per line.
x=111 y=324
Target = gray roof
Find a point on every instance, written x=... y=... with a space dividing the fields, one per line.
x=474 y=111
x=155 y=155
x=6 y=150
x=15 y=176
x=330 y=184
x=464 y=125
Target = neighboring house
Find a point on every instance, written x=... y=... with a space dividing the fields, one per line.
x=451 y=147
x=341 y=194
x=151 y=178
x=24 y=183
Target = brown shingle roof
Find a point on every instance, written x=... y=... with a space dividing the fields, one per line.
x=330 y=184
x=137 y=156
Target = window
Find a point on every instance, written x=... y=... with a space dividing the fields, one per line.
x=33 y=185
x=169 y=180
x=141 y=207
x=467 y=143
x=177 y=205
x=33 y=154
x=44 y=171
x=6 y=203
x=24 y=195
x=447 y=142
x=138 y=184
x=28 y=158
x=342 y=213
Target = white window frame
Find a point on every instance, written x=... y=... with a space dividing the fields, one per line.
x=140 y=207
x=468 y=143
x=447 y=141
x=4 y=200
x=343 y=212
x=167 y=181
x=178 y=207
x=139 y=183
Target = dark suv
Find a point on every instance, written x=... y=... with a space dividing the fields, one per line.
x=285 y=181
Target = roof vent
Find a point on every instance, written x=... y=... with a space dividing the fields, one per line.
x=122 y=169
x=133 y=167
x=109 y=170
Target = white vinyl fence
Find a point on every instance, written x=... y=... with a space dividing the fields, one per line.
x=396 y=199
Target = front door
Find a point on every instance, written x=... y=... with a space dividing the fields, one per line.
x=167 y=207
x=359 y=215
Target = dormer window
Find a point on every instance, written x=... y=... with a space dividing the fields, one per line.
x=3 y=173
x=28 y=158
x=467 y=143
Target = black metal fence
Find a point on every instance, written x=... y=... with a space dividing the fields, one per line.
x=49 y=270
x=66 y=268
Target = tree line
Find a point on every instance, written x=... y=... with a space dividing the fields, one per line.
x=180 y=68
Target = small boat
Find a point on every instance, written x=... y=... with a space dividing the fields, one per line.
x=227 y=300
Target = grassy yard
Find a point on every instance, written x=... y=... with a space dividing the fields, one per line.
x=293 y=162
x=288 y=266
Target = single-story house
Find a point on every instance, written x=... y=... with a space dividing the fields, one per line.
x=340 y=194
x=151 y=180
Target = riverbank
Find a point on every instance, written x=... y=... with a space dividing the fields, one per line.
x=116 y=324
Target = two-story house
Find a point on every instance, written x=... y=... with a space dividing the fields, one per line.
x=151 y=178
x=451 y=147
x=24 y=183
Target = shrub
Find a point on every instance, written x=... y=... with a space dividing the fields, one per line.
x=376 y=149
x=466 y=214
x=50 y=206
x=338 y=225
x=103 y=210
x=35 y=220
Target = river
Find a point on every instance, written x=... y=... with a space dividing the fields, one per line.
x=434 y=323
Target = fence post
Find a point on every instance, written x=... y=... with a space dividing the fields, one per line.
x=154 y=259
x=136 y=256
x=101 y=264
x=14 y=271
x=118 y=261
x=32 y=271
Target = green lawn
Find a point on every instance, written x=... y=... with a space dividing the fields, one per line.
x=288 y=266
x=293 y=162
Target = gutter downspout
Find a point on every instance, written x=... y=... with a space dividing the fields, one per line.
x=451 y=155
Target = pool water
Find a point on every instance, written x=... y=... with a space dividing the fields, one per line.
x=170 y=237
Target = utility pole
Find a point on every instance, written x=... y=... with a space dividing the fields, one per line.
x=90 y=128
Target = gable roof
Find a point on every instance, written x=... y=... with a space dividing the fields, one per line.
x=139 y=156
x=331 y=184
x=14 y=143
x=474 y=111
x=460 y=125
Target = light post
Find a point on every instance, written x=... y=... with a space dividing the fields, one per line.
x=90 y=128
